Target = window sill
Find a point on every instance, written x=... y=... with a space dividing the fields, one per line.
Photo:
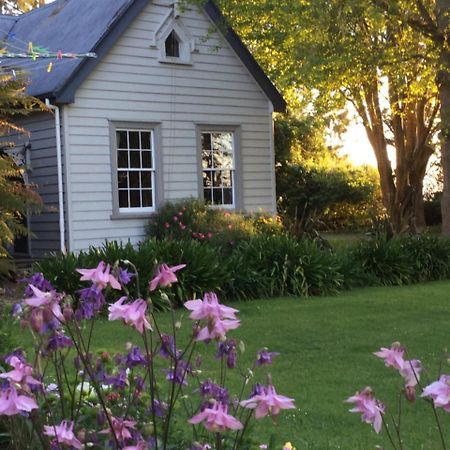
x=175 y=61
x=124 y=216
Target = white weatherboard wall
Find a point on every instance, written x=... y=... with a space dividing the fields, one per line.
x=131 y=85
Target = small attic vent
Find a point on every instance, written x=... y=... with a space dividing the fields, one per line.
x=172 y=45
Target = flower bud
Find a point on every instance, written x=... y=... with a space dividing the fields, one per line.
x=410 y=393
x=68 y=313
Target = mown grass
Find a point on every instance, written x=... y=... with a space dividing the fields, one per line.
x=326 y=347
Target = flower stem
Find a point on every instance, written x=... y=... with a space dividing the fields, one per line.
x=388 y=433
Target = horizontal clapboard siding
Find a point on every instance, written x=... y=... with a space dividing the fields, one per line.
x=131 y=85
x=43 y=174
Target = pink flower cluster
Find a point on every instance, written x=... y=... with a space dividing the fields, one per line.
x=19 y=380
x=63 y=434
x=133 y=314
x=268 y=402
x=408 y=369
x=100 y=276
x=165 y=276
x=370 y=408
x=220 y=318
x=217 y=419
x=439 y=392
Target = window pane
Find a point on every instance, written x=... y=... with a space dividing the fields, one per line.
x=206 y=141
x=134 y=140
x=134 y=180
x=223 y=142
x=147 y=160
x=207 y=160
x=147 y=200
x=122 y=180
x=122 y=159
x=207 y=195
x=146 y=142
x=135 y=199
x=217 y=179
x=122 y=141
x=228 y=196
x=217 y=197
x=146 y=179
x=226 y=178
x=172 y=45
x=123 y=199
x=207 y=178
x=226 y=160
x=135 y=160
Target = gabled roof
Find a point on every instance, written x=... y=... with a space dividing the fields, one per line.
x=82 y=26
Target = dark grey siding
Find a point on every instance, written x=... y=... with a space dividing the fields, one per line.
x=42 y=172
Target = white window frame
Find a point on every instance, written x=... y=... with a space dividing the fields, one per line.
x=235 y=169
x=135 y=212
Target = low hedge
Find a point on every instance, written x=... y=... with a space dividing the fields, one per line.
x=266 y=265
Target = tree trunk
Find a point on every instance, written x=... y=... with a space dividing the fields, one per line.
x=443 y=81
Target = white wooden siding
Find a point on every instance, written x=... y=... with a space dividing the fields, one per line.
x=130 y=85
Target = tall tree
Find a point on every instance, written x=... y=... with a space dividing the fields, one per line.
x=19 y=6
x=351 y=51
x=431 y=18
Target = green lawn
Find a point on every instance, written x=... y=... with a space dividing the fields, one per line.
x=326 y=347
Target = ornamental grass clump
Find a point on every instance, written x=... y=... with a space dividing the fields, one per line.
x=152 y=396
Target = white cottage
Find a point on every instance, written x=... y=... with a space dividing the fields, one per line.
x=167 y=110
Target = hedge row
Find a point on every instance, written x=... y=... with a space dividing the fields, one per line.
x=266 y=265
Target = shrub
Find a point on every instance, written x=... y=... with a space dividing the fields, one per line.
x=205 y=270
x=268 y=266
x=193 y=219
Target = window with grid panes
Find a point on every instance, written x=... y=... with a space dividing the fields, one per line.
x=218 y=161
x=135 y=170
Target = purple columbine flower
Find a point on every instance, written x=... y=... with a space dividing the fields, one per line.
x=18 y=353
x=228 y=348
x=124 y=276
x=119 y=359
x=91 y=301
x=264 y=357
x=119 y=381
x=258 y=389
x=135 y=358
x=167 y=349
x=16 y=310
x=38 y=281
x=160 y=408
x=179 y=376
x=58 y=341
x=212 y=391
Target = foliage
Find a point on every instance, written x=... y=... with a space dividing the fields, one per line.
x=16 y=199
x=193 y=219
x=269 y=266
x=336 y=195
x=205 y=272
x=153 y=395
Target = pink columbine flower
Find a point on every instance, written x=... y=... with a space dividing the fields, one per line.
x=165 y=276
x=209 y=308
x=217 y=419
x=268 y=402
x=393 y=357
x=220 y=318
x=132 y=314
x=121 y=428
x=41 y=298
x=439 y=391
x=63 y=434
x=21 y=373
x=100 y=276
x=11 y=403
x=217 y=329
x=369 y=406
x=411 y=372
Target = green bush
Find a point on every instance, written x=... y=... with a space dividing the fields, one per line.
x=268 y=266
x=204 y=271
x=193 y=219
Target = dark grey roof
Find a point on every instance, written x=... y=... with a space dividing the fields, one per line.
x=82 y=26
